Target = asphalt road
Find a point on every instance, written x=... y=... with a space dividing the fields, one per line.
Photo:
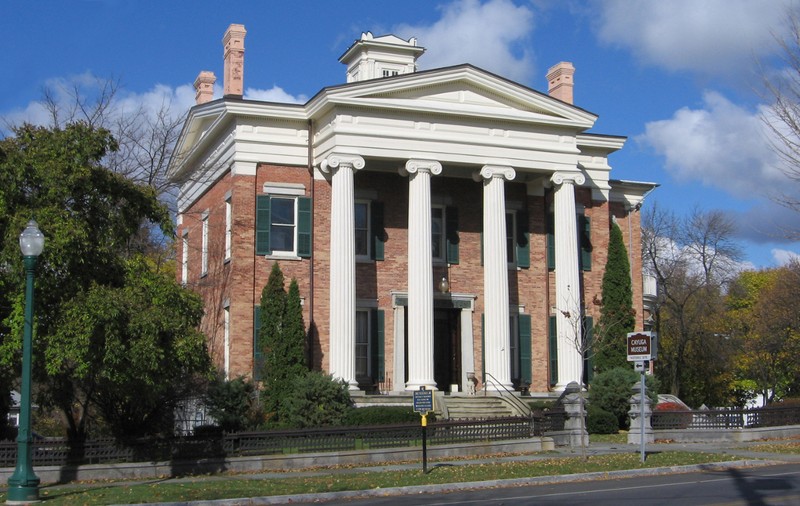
x=768 y=485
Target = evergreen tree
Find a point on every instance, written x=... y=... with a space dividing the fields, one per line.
x=283 y=338
x=616 y=310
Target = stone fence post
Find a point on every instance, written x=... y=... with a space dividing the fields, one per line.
x=640 y=425
x=575 y=422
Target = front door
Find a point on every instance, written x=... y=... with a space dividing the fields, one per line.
x=446 y=349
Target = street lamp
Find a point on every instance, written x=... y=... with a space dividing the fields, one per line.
x=23 y=485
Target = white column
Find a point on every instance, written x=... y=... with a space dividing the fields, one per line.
x=343 y=266
x=420 y=274
x=497 y=340
x=568 y=289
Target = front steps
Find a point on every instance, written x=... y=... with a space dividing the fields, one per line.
x=456 y=406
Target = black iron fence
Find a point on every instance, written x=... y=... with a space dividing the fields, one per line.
x=726 y=418
x=58 y=452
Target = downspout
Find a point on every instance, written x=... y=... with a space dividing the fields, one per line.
x=310 y=334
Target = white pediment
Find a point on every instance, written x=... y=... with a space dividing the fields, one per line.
x=462 y=91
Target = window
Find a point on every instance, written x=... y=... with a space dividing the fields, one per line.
x=228 y=226
x=362 y=230
x=204 y=257
x=511 y=244
x=226 y=329
x=390 y=73
x=362 y=344
x=585 y=242
x=185 y=259
x=283 y=225
x=437 y=232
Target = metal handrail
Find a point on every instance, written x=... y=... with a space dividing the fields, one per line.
x=518 y=403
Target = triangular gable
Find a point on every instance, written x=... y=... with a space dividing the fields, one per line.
x=464 y=90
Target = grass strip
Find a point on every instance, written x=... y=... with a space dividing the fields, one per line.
x=234 y=486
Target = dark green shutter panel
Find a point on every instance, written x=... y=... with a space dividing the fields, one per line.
x=523 y=241
x=553 y=335
x=258 y=353
x=303 y=227
x=378 y=232
x=585 y=241
x=451 y=231
x=377 y=345
x=524 y=323
x=588 y=359
x=551 y=242
x=263 y=222
x=481 y=246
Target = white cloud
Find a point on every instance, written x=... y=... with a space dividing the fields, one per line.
x=721 y=145
x=492 y=35
x=783 y=257
x=274 y=94
x=709 y=36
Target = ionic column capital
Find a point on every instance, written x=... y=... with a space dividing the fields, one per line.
x=495 y=171
x=414 y=166
x=560 y=178
x=336 y=160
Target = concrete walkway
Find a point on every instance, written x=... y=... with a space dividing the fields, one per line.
x=728 y=453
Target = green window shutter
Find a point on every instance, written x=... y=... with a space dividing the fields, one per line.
x=585 y=241
x=263 y=222
x=258 y=352
x=524 y=323
x=553 y=337
x=304 y=227
x=451 y=234
x=378 y=232
x=523 y=241
x=377 y=345
x=551 y=242
x=481 y=246
x=588 y=359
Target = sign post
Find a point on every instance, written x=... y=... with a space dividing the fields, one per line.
x=642 y=347
x=423 y=404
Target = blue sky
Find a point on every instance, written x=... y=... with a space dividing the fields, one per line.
x=680 y=79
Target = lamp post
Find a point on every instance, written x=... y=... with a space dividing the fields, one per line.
x=23 y=485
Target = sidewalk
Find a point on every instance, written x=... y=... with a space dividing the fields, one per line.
x=727 y=452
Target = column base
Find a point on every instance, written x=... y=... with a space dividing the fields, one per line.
x=416 y=385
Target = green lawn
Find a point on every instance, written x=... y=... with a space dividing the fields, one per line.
x=243 y=485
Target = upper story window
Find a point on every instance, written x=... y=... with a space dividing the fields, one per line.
x=362 y=230
x=511 y=243
x=204 y=250
x=185 y=258
x=228 y=227
x=283 y=223
x=438 y=232
x=390 y=72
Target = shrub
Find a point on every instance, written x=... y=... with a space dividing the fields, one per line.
x=600 y=421
x=382 y=415
x=611 y=391
x=234 y=404
x=677 y=417
x=316 y=400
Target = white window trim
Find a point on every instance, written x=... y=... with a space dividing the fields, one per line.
x=185 y=258
x=204 y=246
x=228 y=226
x=226 y=332
x=286 y=254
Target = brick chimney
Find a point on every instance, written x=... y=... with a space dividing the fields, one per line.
x=560 y=81
x=233 y=44
x=204 y=87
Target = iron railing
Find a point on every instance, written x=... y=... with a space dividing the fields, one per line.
x=56 y=451
x=726 y=418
